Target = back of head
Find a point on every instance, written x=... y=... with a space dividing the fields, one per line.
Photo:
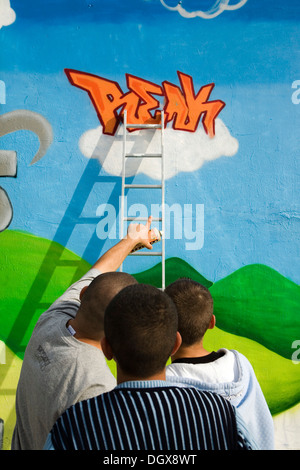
x=140 y=325
x=194 y=305
x=98 y=295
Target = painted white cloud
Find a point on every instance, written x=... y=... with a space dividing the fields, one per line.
x=184 y=151
x=218 y=6
x=7 y=14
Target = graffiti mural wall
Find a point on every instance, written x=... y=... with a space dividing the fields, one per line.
x=225 y=78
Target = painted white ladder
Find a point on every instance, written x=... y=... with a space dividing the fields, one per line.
x=124 y=218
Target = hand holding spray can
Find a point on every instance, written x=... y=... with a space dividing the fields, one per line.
x=154 y=236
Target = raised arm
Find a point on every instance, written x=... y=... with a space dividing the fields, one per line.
x=114 y=257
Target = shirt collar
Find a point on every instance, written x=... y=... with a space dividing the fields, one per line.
x=143 y=384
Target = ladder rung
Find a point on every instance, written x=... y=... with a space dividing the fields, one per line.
x=142 y=126
x=154 y=219
x=130 y=153
x=141 y=155
x=146 y=253
x=142 y=186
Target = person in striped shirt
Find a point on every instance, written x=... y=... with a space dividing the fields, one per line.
x=144 y=411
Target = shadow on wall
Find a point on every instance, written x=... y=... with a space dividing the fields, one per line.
x=42 y=285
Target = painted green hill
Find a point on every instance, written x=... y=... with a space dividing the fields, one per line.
x=260 y=304
x=33 y=273
x=174 y=268
x=256 y=308
x=278 y=377
x=255 y=302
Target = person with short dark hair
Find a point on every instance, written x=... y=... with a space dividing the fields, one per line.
x=224 y=371
x=143 y=337
x=195 y=309
x=144 y=411
x=63 y=361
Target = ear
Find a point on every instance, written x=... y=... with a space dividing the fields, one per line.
x=212 y=323
x=106 y=348
x=82 y=291
x=177 y=344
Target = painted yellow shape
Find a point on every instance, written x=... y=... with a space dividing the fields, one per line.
x=9 y=376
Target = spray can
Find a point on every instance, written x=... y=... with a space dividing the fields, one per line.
x=154 y=236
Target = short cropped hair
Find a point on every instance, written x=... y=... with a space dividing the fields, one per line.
x=98 y=295
x=140 y=324
x=194 y=305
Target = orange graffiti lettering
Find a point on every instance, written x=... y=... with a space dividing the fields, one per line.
x=182 y=106
x=144 y=90
x=186 y=109
x=106 y=96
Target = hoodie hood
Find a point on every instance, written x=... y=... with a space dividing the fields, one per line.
x=224 y=376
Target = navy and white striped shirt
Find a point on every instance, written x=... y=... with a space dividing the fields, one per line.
x=149 y=415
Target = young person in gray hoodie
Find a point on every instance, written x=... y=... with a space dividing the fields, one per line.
x=226 y=372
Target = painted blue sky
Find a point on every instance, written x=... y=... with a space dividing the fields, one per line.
x=251 y=200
